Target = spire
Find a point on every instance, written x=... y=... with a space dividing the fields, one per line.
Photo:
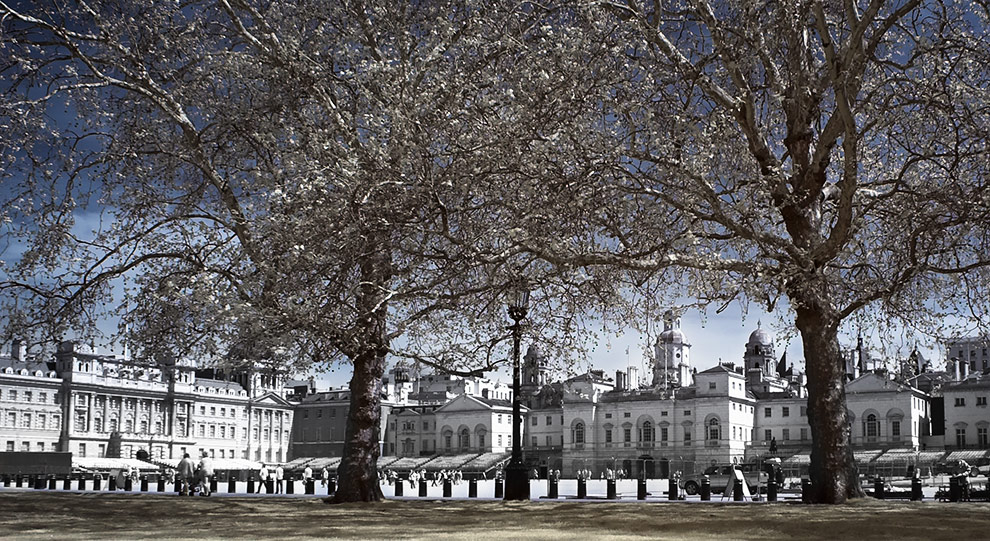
x=859 y=354
x=782 y=365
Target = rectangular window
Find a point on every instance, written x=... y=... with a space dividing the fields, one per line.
x=43 y=398
x=499 y=419
x=663 y=414
x=28 y=395
x=627 y=435
x=608 y=415
x=687 y=413
x=26 y=446
x=981 y=401
x=960 y=437
x=626 y=414
x=11 y=419
x=960 y=402
x=319 y=414
x=500 y=440
x=981 y=437
x=663 y=434
x=712 y=385
x=534 y=442
x=687 y=435
x=804 y=434
x=785 y=411
x=13 y=396
x=305 y=414
x=768 y=435
x=549 y=420
x=786 y=434
x=41 y=446
x=608 y=435
x=535 y=420
x=804 y=411
x=10 y=447
x=549 y=441
x=202 y=431
x=767 y=412
x=82 y=449
x=895 y=429
x=426 y=425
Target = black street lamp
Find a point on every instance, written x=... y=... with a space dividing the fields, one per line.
x=516 y=474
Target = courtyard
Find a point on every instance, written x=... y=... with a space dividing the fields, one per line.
x=27 y=515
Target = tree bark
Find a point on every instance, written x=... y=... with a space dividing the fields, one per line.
x=358 y=470
x=834 y=476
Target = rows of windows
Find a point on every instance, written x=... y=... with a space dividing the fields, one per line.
x=31 y=419
x=28 y=396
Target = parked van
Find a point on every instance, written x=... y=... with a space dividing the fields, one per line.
x=720 y=474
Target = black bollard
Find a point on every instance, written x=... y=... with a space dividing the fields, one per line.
x=250 y=487
x=771 y=490
x=399 y=486
x=128 y=484
x=232 y=485
x=161 y=483
x=499 y=487
x=67 y=483
x=706 y=489
x=331 y=486
x=737 y=490
x=20 y=482
x=878 y=488
x=290 y=485
x=96 y=483
x=144 y=483
x=672 y=489
x=582 y=489
x=82 y=482
x=6 y=480
x=448 y=488
x=610 y=489
x=311 y=485
x=916 y=495
x=641 y=489
x=423 y=488
x=805 y=490
x=553 y=488
x=472 y=488
x=51 y=482
x=954 y=491
x=269 y=485
x=112 y=485
x=213 y=484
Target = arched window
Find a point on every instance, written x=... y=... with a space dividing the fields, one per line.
x=714 y=430
x=465 y=439
x=579 y=433
x=646 y=433
x=871 y=427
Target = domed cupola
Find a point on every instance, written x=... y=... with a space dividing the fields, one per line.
x=759 y=351
x=672 y=364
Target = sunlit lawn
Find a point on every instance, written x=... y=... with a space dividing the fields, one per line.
x=44 y=515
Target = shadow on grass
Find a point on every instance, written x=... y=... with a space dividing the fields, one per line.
x=44 y=515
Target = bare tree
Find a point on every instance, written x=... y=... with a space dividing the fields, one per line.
x=830 y=153
x=312 y=179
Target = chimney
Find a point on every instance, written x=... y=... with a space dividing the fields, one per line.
x=18 y=350
x=632 y=378
x=963 y=370
x=620 y=380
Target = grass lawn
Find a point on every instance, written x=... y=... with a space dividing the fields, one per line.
x=55 y=515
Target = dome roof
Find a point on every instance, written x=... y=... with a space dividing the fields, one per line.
x=671 y=336
x=760 y=337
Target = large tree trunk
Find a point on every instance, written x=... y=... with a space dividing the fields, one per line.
x=834 y=477
x=358 y=470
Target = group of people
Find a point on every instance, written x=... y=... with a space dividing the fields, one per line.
x=277 y=476
x=423 y=476
x=195 y=477
x=324 y=475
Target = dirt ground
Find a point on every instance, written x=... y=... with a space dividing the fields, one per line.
x=44 y=515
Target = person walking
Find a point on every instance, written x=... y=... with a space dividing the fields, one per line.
x=307 y=474
x=325 y=475
x=263 y=476
x=205 y=474
x=279 y=474
x=187 y=473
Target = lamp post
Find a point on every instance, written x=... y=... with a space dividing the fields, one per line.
x=516 y=474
